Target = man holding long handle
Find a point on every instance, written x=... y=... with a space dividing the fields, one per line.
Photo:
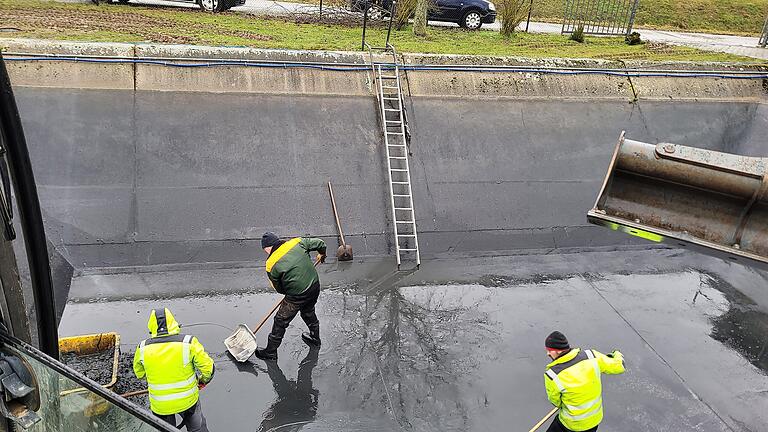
x=291 y=272
x=574 y=386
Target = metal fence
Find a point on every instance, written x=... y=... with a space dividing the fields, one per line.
x=600 y=17
x=764 y=34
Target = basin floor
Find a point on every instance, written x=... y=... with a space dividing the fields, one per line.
x=458 y=345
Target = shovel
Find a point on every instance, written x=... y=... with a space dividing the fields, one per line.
x=242 y=343
x=544 y=420
x=99 y=406
x=344 y=253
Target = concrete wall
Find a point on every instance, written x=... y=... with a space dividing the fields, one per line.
x=142 y=164
x=318 y=81
x=137 y=178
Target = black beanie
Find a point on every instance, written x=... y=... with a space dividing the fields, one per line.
x=556 y=340
x=269 y=239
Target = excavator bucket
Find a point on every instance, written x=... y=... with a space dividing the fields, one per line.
x=712 y=202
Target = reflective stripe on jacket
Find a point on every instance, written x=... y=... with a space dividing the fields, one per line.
x=573 y=384
x=289 y=267
x=170 y=363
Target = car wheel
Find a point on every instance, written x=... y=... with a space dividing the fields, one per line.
x=209 y=5
x=472 y=20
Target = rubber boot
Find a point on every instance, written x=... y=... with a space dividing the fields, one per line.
x=312 y=338
x=270 y=352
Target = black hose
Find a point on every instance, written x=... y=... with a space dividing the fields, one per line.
x=30 y=215
x=207 y=324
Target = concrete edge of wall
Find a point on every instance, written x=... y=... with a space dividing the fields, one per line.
x=117 y=69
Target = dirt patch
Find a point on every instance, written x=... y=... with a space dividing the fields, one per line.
x=333 y=17
x=155 y=29
x=97 y=367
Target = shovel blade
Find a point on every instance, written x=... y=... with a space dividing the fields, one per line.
x=242 y=343
x=344 y=253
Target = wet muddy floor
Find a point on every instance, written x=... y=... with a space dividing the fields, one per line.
x=458 y=345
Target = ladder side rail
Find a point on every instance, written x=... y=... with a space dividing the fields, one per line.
x=408 y=171
x=389 y=163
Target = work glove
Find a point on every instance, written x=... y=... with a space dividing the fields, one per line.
x=617 y=354
x=201 y=385
x=321 y=258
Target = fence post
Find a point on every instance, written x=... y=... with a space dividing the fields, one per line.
x=391 y=17
x=528 y=23
x=632 y=17
x=365 y=24
x=321 y=10
x=764 y=36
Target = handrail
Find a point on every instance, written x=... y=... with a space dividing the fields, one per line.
x=402 y=99
x=373 y=70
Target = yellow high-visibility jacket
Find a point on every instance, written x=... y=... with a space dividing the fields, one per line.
x=573 y=384
x=170 y=362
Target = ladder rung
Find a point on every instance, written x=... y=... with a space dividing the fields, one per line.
x=386 y=98
x=405 y=222
x=408 y=250
x=388 y=76
x=406 y=235
x=395 y=133
x=399 y=182
x=404 y=208
x=389 y=87
x=400 y=195
x=396 y=145
x=391 y=109
x=398 y=157
x=399 y=170
x=393 y=121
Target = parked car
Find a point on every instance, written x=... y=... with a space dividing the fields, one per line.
x=206 y=5
x=470 y=14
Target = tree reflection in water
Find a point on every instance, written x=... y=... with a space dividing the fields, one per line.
x=416 y=344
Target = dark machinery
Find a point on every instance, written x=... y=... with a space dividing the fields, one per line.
x=713 y=202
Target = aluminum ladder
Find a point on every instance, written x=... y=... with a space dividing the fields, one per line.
x=393 y=122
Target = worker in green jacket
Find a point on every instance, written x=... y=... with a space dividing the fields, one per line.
x=573 y=383
x=176 y=367
x=291 y=272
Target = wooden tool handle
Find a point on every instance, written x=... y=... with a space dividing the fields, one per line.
x=274 y=308
x=542 y=421
x=134 y=393
x=336 y=215
x=266 y=317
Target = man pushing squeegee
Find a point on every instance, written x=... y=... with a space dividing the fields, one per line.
x=291 y=272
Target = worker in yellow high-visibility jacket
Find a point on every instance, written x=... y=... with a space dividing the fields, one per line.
x=573 y=383
x=176 y=367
